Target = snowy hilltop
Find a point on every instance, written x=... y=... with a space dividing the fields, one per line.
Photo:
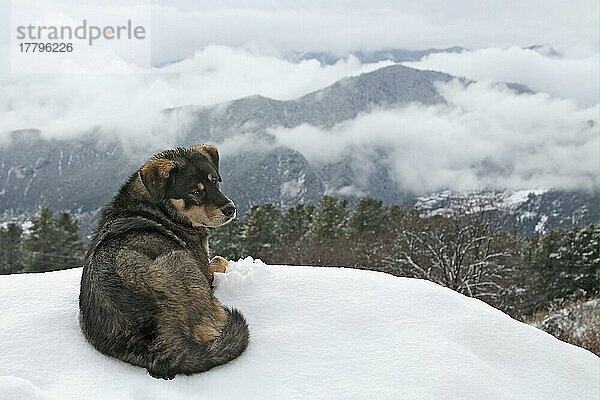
x=315 y=333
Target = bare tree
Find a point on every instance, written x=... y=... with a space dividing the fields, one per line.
x=467 y=251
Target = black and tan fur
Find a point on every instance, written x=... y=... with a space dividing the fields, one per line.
x=146 y=290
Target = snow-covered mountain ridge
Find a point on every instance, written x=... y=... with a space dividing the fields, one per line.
x=444 y=203
x=330 y=333
x=534 y=211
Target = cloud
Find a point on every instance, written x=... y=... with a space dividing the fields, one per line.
x=342 y=26
x=486 y=136
x=130 y=104
x=574 y=77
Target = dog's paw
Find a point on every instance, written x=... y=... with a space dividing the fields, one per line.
x=161 y=374
x=218 y=264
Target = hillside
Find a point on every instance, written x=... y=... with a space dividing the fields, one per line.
x=315 y=333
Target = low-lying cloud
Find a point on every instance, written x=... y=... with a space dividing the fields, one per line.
x=486 y=136
x=572 y=76
x=129 y=105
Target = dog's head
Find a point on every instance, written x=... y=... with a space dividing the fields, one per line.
x=185 y=181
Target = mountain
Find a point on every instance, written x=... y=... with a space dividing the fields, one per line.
x=327 y=333
x=558 y=209
x=82 y=173
x=344 y=100
x=395 y=55
x=533 y=211
x=545 y=50
x=290 y=178
x=75 y=174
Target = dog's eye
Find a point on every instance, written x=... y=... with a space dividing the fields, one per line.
x=214 y=181
x=198 y=192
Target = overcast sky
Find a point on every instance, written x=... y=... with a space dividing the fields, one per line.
x=341 y=26
x=180 y=27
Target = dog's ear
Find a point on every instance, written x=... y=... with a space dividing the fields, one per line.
x=155 y=175
x=211 y=153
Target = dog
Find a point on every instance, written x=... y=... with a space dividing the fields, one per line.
x=146 y=289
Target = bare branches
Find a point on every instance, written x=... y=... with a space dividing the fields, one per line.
x=465 y=252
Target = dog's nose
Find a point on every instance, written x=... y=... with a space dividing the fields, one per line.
x=228 y=210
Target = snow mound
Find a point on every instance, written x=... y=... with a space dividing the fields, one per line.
x=315 y=333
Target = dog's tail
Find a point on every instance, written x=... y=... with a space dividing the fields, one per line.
x=232 y=341
x=196 y=356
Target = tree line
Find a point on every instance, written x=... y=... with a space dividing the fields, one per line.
x=52 y=243
x=473 y=250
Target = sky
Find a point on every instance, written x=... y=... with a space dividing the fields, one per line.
x=178 y=28
x=342 y=26
x=215 y=51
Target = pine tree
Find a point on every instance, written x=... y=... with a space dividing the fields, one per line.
x=69 y=231
x=226 y=241
x=330 y=218
x=296 y=223
x=53 y=243
x=369 y=217
x=261 y=231
x=11 y=252
x=566 y=262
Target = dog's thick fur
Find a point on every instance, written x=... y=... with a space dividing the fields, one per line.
x=146 y=290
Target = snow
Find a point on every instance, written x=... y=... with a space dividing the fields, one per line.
x=540 y=227
x=515 y=199
x=294 y=187
x=576 y=320
x=445 y=202
x=25 y=226
x=315 y=333
x=345 y=191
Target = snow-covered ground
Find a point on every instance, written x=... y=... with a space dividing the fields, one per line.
x=315 y=333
